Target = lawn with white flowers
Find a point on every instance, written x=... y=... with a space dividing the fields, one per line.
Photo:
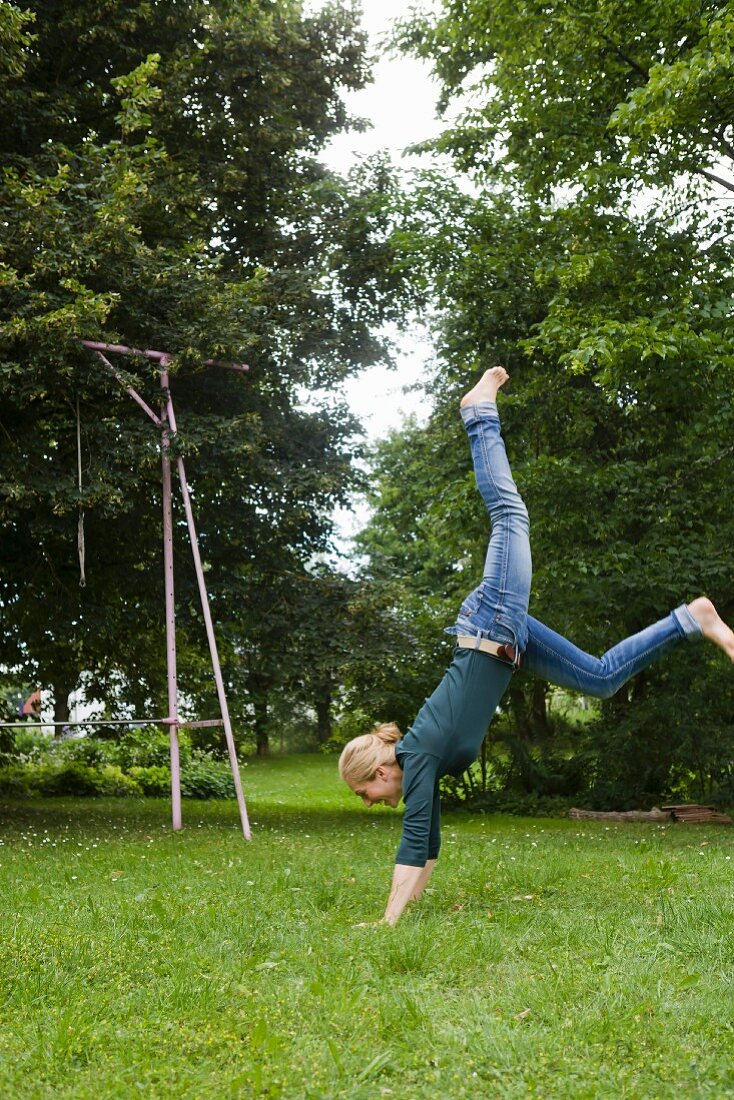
x=547 y=959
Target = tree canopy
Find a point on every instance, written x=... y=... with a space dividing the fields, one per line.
x=161 y=188
x=585 y=241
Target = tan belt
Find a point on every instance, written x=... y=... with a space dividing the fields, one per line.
x=502 y=651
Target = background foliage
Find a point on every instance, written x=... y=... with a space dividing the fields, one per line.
x=588 y=247
x=162 y=186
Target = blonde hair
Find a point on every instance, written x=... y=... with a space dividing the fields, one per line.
x=362 y=756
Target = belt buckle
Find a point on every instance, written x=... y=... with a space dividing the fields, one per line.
x=508 y=653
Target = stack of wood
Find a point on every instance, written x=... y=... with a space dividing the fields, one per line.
x=692 y=813
x=689 y=813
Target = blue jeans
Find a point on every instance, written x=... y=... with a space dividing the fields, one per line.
x=498 y=608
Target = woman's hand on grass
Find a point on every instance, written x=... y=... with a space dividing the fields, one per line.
x=408 y=884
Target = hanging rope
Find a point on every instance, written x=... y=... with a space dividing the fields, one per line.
x=80 y=524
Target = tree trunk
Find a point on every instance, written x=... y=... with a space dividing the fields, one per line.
x=654 y=815
x=483 y=764
x=539 y=710
x=323 y=713
x=262 y=740
x=61 y=707
x=531 y=715
x=519 y=708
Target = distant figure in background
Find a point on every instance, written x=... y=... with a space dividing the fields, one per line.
x=32 y=706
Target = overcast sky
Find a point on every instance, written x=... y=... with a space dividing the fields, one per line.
x=400 y=107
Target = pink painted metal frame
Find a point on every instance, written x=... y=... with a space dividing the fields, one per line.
x=167 y=425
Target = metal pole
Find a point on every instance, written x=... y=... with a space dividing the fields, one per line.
x=98 y=722
x=180 y=722
x=168 y=425
x=133 y=393
x=203 y=595
x=161 y=357
x=170 y=618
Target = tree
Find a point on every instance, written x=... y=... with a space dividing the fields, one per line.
x=592 y=255
x=620 y=114
x=419 y=558
x=162 y=189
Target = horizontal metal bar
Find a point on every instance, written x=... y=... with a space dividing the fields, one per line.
x=157 y=356
x=201 y=725
x=115 y=722
x=88 y=722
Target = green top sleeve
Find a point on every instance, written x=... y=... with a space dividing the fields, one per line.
x=421 y=839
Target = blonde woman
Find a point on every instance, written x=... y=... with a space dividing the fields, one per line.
x=494 y=633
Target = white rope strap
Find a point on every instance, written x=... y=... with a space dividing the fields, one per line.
x=80 y=524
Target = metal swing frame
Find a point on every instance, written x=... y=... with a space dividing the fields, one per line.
x=166 y=423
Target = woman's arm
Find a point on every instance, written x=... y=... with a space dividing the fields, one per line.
x=421 y=837
x=408 y=884
x=426 y=873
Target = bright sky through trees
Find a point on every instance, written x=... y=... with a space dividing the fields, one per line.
x=400 y=106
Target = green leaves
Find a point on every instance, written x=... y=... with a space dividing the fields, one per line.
x=591 y=254
x=683 y=103
x=161 y=189
x=136 y=92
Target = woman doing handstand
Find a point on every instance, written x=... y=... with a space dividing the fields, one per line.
x=493 y=633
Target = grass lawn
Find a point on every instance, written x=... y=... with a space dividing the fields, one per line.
x=549 y=959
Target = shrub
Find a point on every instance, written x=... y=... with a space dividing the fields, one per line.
x=522 y=804
x=115 y=782
x=334 y=745
x=201 y=778
x=85 y=767
x=353 y=723
x=206 y=778
x=15 y=779
x=149 y=747
x=661 y=746
x=31 y=744
x=7 y=743
x=34 y=747
x=74 y=779
x=154 y=781
x=78 y=779
x=83 y=750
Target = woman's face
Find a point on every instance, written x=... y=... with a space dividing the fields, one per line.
x=385 y=786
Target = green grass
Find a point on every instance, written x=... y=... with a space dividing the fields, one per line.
x=549 y=959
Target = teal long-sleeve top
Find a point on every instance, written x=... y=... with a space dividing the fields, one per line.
x=444 y=740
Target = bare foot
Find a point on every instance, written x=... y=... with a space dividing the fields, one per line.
x=487 y=386
x=713 y=626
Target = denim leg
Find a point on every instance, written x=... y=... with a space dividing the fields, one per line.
x=551 y=657
x=498 y=608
